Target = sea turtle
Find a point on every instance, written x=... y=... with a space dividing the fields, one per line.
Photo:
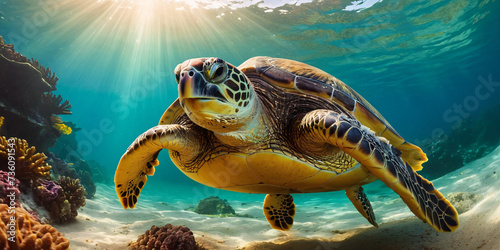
x=278 y=127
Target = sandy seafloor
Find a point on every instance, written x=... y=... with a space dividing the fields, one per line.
x=323 y=221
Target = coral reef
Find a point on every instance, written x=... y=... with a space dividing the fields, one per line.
x=470 y=140
x=26 y=101
x=213 y=205
x=61 y=167
x=28 y=165
x=9 y=189
x=167 y=237
x=463 y=201
x=62 y=198
x=26 y=232
x=79 y=169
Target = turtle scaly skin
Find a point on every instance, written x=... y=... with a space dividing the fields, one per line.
x=279 y=127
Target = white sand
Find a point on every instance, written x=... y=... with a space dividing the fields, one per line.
x=323 y=221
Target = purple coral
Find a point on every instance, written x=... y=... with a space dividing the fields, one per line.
x=9 y=189
x=48 y=190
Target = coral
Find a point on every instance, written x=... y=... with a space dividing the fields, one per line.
x=62 y=198
x=61 y=167
x=28 y=165
x=7 y=50
x=47 y=190
x=9 y=189
x=47 y=75
x=463 y=201
x=213 y=205
x=1 y=122
x=74 y=192
x=65 y=130
x=52 y=105
x=26 y=232
x=167 y=237
x=84 y=173
x=80 y=170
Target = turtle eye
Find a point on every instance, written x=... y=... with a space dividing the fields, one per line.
x=177 y=72
x=218 y=72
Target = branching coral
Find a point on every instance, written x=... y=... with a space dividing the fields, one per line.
x=74 y=192
x=8 y=51
x=26 y=233
x=28 y=165
x=47 y=75
x=166 y=237
x=9 y=189
x=52 y=105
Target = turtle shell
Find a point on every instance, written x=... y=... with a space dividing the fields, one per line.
x=297 y=77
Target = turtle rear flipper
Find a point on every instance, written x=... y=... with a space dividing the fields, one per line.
x=362 y=204
x=384 y=161
x=279 y=210
x=141 y=158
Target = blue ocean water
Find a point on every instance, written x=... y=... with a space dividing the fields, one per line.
x=425 y=65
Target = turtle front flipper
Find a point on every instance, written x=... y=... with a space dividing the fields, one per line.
x=140 y=158
x=382 y=160
x=362 y=204
x=279 y=210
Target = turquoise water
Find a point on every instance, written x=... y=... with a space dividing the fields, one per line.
x=420 y=63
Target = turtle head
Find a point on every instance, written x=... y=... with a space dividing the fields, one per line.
x=215 y=94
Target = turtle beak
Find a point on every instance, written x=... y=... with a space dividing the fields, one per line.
x=192 y=84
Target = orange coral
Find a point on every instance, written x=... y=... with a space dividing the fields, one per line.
x=28 y=165
x=29 y=234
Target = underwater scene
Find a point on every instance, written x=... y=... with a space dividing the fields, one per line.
x=261 y=124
